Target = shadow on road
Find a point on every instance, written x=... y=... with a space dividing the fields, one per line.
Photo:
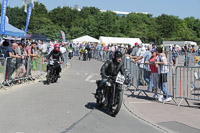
x=92 y=106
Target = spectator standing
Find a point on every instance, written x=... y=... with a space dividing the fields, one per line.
x=43 y=48
x=4 y=48
x=129 y=50
x=154 y=72
x=174 y=54
x=32 y=53
x=135 y=50
x=163 y=72
x=63 y=49
x=21 y=63
x=147 y=72
x=11 y=62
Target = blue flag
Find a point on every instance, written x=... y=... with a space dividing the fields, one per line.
x=28 y=16
x=63 y=35
x=3 y=15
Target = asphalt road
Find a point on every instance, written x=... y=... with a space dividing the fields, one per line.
x=66 y=106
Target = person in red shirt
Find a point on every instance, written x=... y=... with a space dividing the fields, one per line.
x=154 y=72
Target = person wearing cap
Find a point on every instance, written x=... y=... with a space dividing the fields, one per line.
x=135 y=50
x=147 y=72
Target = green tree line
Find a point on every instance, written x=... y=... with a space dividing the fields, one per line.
x=93 y=22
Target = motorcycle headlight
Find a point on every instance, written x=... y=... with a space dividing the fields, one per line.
x=108 y=84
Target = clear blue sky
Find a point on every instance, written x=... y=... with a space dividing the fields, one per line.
x=180 y=8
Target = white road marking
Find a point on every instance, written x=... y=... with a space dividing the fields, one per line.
x=89 y=79
x=95 y=73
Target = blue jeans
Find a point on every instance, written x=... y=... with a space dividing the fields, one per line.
x=148 y=79
x=164 y=88
x=174 y=59
x=101 y=84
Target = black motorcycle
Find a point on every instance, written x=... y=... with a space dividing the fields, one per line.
x=52 y=74
x=70 y=54
x=111 y=96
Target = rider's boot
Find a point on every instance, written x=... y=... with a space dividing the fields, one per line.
x=97 y=94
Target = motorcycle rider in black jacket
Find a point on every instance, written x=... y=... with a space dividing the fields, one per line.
x=57 y=55
x=110 y=68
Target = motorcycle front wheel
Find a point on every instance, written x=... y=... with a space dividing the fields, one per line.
x=48 y=76
x=114 y=106
x=99 y=100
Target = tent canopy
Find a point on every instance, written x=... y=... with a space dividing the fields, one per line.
x=85 y=38
x=39 y=37
x=119 y=40
x=12 y=31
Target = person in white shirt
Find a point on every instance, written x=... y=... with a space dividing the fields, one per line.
x=163 y=72
x=63 y=49
x=43 y=48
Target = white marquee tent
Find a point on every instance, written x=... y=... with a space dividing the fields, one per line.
x=85 y=38
x=119 y=40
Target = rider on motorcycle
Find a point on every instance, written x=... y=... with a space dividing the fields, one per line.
x=110 y=69
x=56 y=55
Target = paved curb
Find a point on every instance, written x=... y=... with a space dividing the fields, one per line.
x=142 y=119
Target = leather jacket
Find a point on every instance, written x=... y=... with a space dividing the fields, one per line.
x=55 y=55
x=112 y=68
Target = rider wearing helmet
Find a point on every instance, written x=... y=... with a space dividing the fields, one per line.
x=110 y=68
x=57 y=55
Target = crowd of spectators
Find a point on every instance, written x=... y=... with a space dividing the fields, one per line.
x=21 y=57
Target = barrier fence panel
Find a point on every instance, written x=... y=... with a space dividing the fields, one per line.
x=187 y=83
x=43 y=67
x=65 y=55
x=146 y=78
x=2 y=61
x=14 y=70
x=35 y=67
x=134 y=74
x=127 y=63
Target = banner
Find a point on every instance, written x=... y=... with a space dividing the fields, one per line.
x=63 y=36
x=3 y=15
x=28 y=16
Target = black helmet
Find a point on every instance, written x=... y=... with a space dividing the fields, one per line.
x=117 y=54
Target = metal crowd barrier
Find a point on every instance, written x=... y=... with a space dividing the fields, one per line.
x=187 y=83
x=182 y=81
x=141 y=76
x=65 y=55
x=13 y=70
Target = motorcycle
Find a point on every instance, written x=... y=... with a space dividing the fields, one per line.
x=85 y=55
x=112 y=94
x=52 y=74
x=70 y=54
